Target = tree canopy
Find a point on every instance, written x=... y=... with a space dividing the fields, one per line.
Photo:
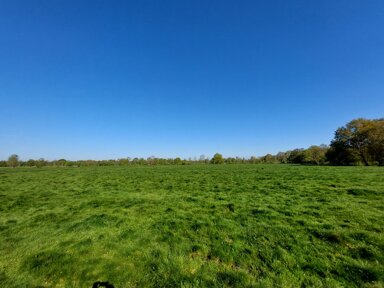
x=13 y=160
x=217 y=159
x=359 y=141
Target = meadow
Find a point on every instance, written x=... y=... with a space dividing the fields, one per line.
x=192 y=226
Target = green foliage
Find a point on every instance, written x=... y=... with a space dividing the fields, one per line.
x=361 y=140
x=296 y=156
x=315 y=155
x=40 y=163
x=217 y=159
x=192 y=226
x=13 y=161
x=268 y=159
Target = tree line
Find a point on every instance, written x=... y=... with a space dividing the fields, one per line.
x=359 y=142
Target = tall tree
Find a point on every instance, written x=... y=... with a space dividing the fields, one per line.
x=360 y=140
x=13 y=160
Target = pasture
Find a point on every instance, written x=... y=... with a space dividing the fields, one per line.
x=192 y=226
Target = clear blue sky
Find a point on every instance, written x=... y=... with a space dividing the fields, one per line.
x=112 y=79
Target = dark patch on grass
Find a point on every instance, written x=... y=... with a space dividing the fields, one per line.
x=93 y=204
x=49 y=217
x=311 y=212
x=11 y=221
x=195 y=248
x=153 y=266
x=48 y=263
x=196 y=226
x=286 y=212
x=329 y=236
x=315 y=268
x=231 y=207
x=3 y=277
x=95 y=221
x=230 y=278
x=327 y=226
x=132 y=202
x=127 y=233
x=354 y=273
x=301 y=222
x=105 y=284
x=191 y=199
x=363 y=253
x=84 y=243
x=3 y=227
x=361 y=192
x=258 y=211
x=360 y=236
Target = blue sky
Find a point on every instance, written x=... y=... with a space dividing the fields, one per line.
x=112 y=79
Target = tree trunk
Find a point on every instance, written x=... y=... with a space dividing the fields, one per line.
x=364 y=158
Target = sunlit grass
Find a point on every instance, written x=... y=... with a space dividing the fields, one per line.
x=192 y=226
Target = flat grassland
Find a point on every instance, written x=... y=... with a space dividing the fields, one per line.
x=192 y=226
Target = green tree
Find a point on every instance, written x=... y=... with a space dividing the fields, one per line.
x=61 y=162
x=296 y=156
x=13 y=160
x=254 y=160
x=360 y=140
x=31 y=163
x=41 y=163
x=217 y=159
x=269 y=159
x=282 y=157
x=315 y=154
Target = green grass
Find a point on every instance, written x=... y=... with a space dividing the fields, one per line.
x=192 y=226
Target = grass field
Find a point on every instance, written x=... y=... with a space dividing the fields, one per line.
x=192 y=226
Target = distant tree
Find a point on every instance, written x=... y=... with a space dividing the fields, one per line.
x=254 y=160
x=376 y=138
x=315 y=155
x=360 y=140
x=268 y=159
x=340 y=153
x=217 y=159
x=13 y=161
x=296 y=156
x=151 y=160
x=31 y=163
x=70 y=163
x=123 y=161
x=41 y=163
x=282 y=157
x=230 y=160
x=239 y=160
